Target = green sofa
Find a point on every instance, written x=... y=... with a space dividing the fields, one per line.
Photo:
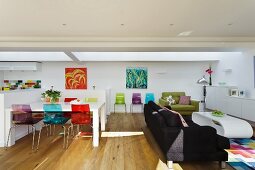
x=186 y=110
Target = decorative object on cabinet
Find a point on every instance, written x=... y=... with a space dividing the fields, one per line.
x=234 y=92
x=241 y=93
x=51 y=95
x=203 y=82
x=136 y=78
x=209 y=71
x=76 y=78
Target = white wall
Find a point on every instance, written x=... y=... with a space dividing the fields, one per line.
x=1 y=78
x=177 y=76
x=242 y=74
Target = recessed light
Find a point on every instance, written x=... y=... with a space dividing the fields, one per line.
x=63 y=24
x=122 y=24
x=185 y=33
x=230 y=24
x=171 y=24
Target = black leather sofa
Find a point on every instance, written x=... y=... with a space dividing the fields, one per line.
x=178 y=143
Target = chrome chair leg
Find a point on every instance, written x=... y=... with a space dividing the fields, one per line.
x=39 y=137
x=27 y=129
x=64 y=143
x=131 y=108
x=33 y=130
x=114 y=108
x=125 y=108
x=47 y=130
x=54 y=127
x=68 y=135
x=8 y=137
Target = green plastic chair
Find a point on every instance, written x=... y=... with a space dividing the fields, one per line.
x=120 y=100
x=91 y=99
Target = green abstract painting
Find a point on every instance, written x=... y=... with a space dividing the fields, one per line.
x=136 y=78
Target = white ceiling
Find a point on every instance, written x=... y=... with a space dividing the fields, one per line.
x=126 y=25
x=126 y=18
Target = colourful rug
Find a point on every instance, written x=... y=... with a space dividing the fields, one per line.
x=241 y=155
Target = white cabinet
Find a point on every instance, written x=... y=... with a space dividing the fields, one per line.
x=234 y=106
x=217 y=97
x=248 y=109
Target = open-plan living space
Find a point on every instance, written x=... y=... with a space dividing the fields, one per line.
x=127 y=85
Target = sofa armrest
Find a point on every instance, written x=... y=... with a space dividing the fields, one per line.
x=196 y=104
x=163 y=102
x=223 y=142
x=200 y=139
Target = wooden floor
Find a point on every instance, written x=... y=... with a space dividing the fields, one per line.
x=134 y=152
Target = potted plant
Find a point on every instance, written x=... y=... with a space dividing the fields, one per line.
x=51 y=95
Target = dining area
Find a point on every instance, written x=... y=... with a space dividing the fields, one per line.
x=30 y=114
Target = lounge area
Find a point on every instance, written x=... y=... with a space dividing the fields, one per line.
x=127 y=85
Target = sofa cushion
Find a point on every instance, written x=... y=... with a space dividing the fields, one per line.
x=171 y=119
x=180 y=107
x=185 y=100
x=175 y=95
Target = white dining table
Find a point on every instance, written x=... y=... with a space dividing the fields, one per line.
x=98 y=109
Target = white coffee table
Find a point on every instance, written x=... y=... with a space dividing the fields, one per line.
x=227 y=126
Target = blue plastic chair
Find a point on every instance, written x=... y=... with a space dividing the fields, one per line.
x=149 y=97
x=54 y=116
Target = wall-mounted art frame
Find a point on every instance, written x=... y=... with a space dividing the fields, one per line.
x=76 y=78
x=234 y=92
x=136 y=78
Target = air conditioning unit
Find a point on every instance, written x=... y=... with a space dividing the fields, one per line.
x=20 y=66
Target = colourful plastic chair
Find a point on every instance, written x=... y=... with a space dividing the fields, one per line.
x=22 y=115
x=91 y=99
x=136 y=100
x=120 y=100
x=54 y=116
x=149 y=97
x=80 y=116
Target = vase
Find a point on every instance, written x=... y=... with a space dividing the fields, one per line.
x=210 y=80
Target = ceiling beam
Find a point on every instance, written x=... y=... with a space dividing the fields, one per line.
x=73 y=57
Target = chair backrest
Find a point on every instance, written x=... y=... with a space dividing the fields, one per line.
x=21 y=113
x=91 y=99
x=149 y=97
x=69 y=99
x=52 y=107
x=82 y=108
x=120 y=98
x=136 y=98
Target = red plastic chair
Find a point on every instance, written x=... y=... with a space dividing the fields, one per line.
x=80 y=116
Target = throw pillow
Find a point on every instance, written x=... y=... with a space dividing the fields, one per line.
x=171 y=119
x=170 y=100
x=184 y=100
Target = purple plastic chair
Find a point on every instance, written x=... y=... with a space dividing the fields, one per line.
x=136 y=100
x=22 y=115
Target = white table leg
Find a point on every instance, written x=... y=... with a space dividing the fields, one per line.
x=8 y=124
x=102 y=117
x=96 y=128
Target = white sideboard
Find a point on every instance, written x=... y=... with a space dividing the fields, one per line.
x=218 y=99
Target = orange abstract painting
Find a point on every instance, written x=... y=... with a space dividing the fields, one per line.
x=76 y=78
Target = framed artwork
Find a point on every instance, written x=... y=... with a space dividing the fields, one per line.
x=234 y=92
x=136 y=78
x=76 y=78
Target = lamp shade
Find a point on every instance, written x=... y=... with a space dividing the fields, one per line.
x=202 y=81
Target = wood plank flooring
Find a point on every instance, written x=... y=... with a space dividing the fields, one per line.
x=134 y=152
